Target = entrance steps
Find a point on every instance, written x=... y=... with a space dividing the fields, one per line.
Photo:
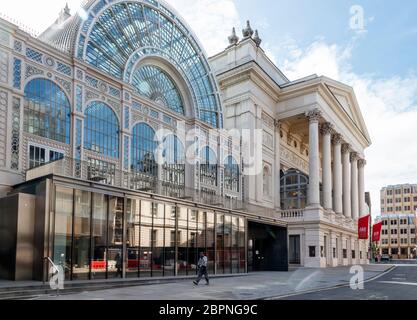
x=32 y=290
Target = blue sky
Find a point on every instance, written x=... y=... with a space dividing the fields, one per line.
x=389 y=47
x=315 y=36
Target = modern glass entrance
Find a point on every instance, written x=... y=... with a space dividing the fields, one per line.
x=98 y=236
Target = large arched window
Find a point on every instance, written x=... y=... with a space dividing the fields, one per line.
x=231 y=174
x=174 y=161
x=101 y=130
x=47 y=111
x=114 y=37
x=294 y=190
x=156 y=85
x=208 y=167
x=143 y=163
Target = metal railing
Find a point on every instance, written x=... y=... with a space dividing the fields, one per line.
x=137 y=181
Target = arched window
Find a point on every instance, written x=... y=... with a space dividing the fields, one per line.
x=155 y=84
x=208 y=167
x=267 y=180
x=143 y=163
x=231 y=174
x=47 y=111
x=101 y=130
x=294 y=190
x=173 y=161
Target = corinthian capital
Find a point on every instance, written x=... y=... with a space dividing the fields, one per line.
x=327 y=128
x=361 y=163
x=337 y=138
x=314 y=115
x=277 y=124
x=354 y=156
x=346 y=148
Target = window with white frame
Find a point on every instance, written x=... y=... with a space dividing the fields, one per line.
x=40 y=155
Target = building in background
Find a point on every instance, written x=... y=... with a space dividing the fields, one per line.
x=401 y=198
x=398 y=235
x=82 y=110
x=398 y=216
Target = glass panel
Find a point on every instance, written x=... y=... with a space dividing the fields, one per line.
x=242 y=247
x=143 y=163
x=227 y=243
x=220 y=244
x=145 y=239
x=115 y=241
x=170 y=241
x=99 y=238
x=182 y=240
x=63 y=228
x=155 y=84
x=101 y=130
x=192 y=242
x=235 y=245
x=201 y=233
x=158 y=240
x=132 y=237
x=208 y=167
x=47 y=111
x=81 y=254
x=210 y=241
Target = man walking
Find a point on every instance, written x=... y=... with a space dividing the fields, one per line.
x=202 y=269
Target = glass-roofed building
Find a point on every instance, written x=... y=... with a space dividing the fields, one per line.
x=122 y=153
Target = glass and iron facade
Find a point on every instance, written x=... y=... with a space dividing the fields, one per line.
x=124 y=122
x=98 y=236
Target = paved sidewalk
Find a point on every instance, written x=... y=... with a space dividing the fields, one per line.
x=253 y=286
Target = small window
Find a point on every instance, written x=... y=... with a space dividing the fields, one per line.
x=312 y=251
x=344 y=253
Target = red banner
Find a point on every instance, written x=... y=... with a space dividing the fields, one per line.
x=376 y=231
x=363 y=227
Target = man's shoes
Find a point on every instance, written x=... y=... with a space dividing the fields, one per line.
x=196 y=283
x=207 y=284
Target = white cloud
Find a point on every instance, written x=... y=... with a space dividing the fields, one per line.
x=211 y=20
x=389 y=107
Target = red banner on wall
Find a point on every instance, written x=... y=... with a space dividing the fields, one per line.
x=363 y=227
x=376 y=231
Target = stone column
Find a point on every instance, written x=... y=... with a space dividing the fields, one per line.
x=361 y=177
x=337 y=174
x=314 y=159
x=327 y=130
x=277 y=177
x=346 y=181
x=354 y=185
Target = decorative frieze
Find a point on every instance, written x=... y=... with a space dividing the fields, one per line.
x=4 y=67
x=32 y=71
x=17 y=46
x=17 y=73
x=90 y=95
x=65 y=84
x=15 y=146
x=3 y=127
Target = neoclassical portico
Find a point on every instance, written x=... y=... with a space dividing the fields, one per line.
x=342 y=170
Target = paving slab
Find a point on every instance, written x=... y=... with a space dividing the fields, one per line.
x=260 y=285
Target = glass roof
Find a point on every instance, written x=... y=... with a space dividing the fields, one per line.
x=126 y=31
x=153 y=83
